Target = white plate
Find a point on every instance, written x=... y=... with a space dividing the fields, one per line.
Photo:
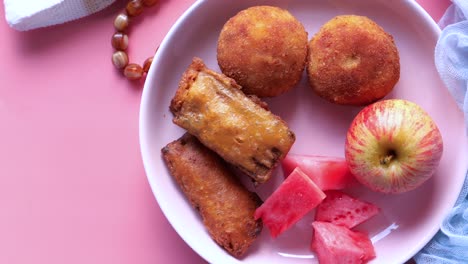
x=407 y=221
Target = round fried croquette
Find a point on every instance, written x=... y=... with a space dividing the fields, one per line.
x=264 y=49
x=352 y=61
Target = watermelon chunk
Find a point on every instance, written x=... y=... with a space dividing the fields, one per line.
x=294 y=198
x=341 y=209
x=329 y=173
x=335 y=244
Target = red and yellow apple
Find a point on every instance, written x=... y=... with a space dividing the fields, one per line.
x=393 y=146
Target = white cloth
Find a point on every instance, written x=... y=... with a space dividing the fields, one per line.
x=451 y=52
x=29 y=14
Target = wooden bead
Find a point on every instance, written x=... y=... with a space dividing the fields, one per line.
x=120 y=41
x=150 y=2
x=120 y=59
x=121 y=22
x=147 y=64
x=134 y=8
x=133 y=71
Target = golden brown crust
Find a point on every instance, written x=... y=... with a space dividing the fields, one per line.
x=189 y=77
x=212 y=107
x=264 y=49
x=225 y=205
x=352 y=61
x=258 y=101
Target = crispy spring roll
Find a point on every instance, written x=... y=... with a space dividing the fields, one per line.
x=225 y=205
x=213 y=108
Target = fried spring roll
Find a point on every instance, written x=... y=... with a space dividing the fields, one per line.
x=225 y=205
x=213 y=108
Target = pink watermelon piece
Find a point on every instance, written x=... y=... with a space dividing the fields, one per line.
x=329 y=173
x=295 y=197
x=341 y=209
x=335 y=244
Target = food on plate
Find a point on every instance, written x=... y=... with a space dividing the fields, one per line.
x=342 y=209
x=225 y=205
x=295 y=197
x=213 y=108
x=335 y=244
x=393 y=146
x=352 y=61
x=329 y=173
x=263 y=48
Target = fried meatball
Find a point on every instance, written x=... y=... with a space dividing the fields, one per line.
x=352 y=61
x=264 y=49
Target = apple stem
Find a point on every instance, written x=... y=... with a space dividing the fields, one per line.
x=387 y=159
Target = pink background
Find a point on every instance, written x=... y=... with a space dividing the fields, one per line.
x=72 y=184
